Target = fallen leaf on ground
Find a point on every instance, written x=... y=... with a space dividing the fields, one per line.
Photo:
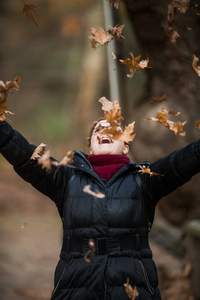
x=97 y=194
x=30 y=10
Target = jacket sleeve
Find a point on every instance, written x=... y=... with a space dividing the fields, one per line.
x=173 y=171
x=17 y=150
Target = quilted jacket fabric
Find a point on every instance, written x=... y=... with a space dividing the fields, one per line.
x=118 y=223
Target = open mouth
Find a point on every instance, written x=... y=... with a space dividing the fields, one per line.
x=104 y=140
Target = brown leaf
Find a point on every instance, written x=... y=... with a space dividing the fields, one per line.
x=171 y=33
x=39 y=151
x=132 y=293
x=133 y=64
x=159 y=100
x=45 y=161
x=197 y=124
x=147 y=170
x=23 y=226
x=114 y=3
x=176 y=127
x=92 y=250
x=66 y=161
x=98 y=36
x=97 y=194
x=195 y=66
x=30 y=10
x=116 y=31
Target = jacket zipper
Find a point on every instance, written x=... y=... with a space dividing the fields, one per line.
x=150 y=288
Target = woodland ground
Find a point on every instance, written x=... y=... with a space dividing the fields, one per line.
x=30 y=243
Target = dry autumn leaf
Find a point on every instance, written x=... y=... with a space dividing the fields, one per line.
x=66 y=161
x=133 y=64
x=30 y=10
x=4 y=91
x=146 y=170
x=176 y=127
x=195 y=66
x=92 y=250
x=116 y=31
x=39 y=151
x=171 y=33
x=114 y=3
x=112 y=112
x=159 y=100
x=98 y=36
x=23 y=226
x=197 y=124
x=132 y=293
x=45 y=161
x=97 y=194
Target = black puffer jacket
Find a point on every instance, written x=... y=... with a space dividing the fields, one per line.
x=117 y=223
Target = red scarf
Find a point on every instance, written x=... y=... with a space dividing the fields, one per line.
x=107 y=165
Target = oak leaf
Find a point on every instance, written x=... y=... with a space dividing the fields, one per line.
x=30 y=10
x=181 y=5
x=39 y=151
x=171 y=14
x=116 y=31
x=147 y=170
x=133 y=64
x=97 y=194
x=98 y=36
x=176 y=127
x=132 y=293
x=45 y=161
x=195 y=66
x=159 y=100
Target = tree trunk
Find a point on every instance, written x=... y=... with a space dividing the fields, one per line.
x=171 y=72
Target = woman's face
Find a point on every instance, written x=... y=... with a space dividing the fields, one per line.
x=104 y=144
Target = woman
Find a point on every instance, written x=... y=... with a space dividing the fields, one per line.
x=118 y=222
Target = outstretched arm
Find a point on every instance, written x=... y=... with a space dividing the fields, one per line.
x=174 y=169
x=17 y=150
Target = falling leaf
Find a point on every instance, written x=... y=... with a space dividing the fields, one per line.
x=134 y=65
x=116 y=31
x=23 y=226
x=132 y=293
x=98 y=36
x=195 y=66
x=39 y=151
x=4 y=91
x=146 y=170
x=159 y=100
x=30 y=10
x=176 y=127
x=197 y=124
x=112 y=112
x=45 y=161
x=97 y=194
x=66 y=161
x=92 y=250
x=114 y=3
x=181 y=5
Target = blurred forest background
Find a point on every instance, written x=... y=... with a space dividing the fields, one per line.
x=62 y=80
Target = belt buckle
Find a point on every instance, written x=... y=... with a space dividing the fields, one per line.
x=102 y=245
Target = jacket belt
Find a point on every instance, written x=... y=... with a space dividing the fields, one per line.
x=106 y=245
